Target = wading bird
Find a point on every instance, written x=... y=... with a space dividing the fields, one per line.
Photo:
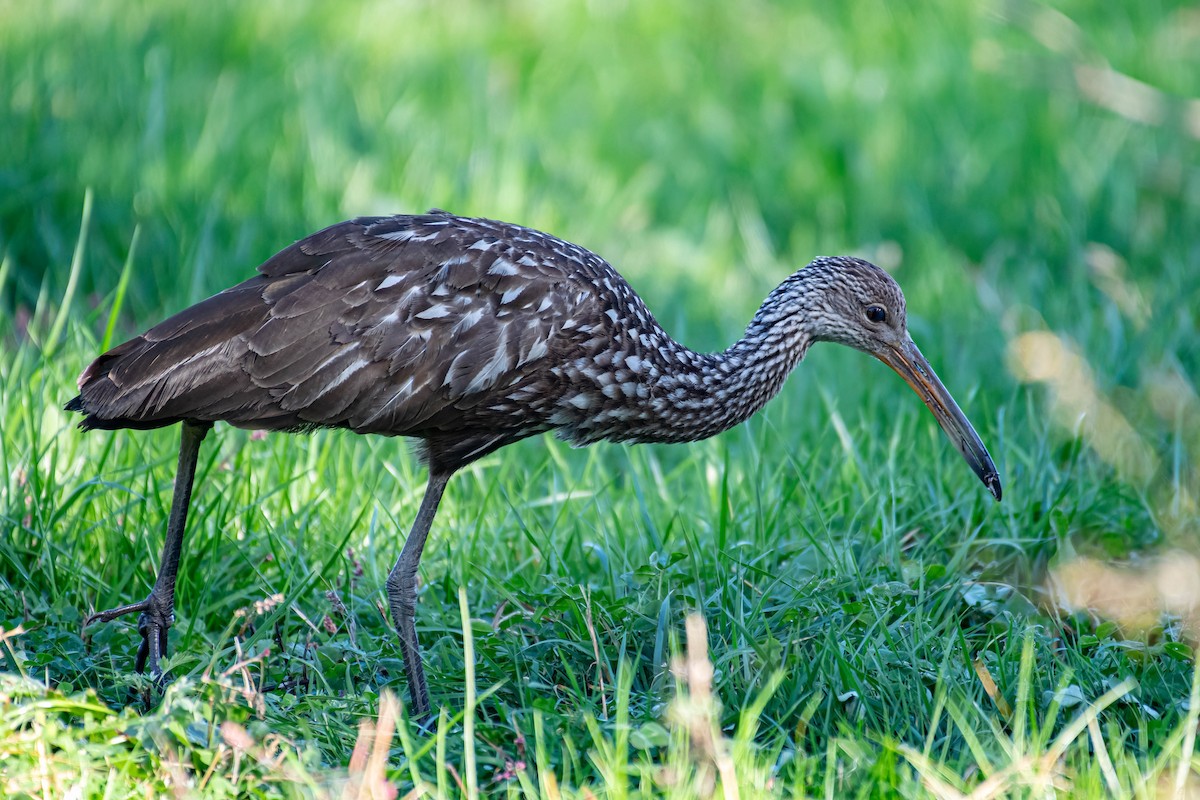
x=468 y=335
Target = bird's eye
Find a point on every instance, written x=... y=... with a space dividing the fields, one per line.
x=876 y=313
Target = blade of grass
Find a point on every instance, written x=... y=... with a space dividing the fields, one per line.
x=470 y=777
x=119 y=293
x=64 y=308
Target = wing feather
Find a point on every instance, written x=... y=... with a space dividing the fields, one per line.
x=383 y=324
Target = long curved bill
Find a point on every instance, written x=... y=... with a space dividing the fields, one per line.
x=912 y=366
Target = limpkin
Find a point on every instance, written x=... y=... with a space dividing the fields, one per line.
x=468 y=335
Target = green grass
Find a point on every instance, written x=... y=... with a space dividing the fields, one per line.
x=855 y=579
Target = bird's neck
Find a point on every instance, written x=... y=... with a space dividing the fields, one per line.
x=686 y=395
x=711 y=392
x=646 y=387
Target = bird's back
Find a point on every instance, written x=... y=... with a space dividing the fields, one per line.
x=417 y=325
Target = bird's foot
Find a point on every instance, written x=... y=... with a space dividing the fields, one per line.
x=154 y=621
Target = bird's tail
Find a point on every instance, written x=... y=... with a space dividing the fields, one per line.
x=106 y=403
x=184 y=368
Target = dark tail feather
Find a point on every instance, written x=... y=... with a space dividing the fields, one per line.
x=91 y=422
x=76 y=404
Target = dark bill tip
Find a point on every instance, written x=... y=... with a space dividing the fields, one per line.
x=992 y=482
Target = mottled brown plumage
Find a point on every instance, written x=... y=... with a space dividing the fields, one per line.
x=468 y=335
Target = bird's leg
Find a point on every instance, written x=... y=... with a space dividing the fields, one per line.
x=158 y=610
x=402 y=593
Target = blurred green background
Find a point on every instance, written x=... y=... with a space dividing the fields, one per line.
x=1030 y=172
x=669 y=136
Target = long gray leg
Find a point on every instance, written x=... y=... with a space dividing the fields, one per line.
x=402 y=593
x=158 y=610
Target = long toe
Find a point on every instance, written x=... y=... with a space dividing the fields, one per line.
x=154 y=625
x=119 y=611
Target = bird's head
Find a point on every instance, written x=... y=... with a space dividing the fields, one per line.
x=855 y=303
